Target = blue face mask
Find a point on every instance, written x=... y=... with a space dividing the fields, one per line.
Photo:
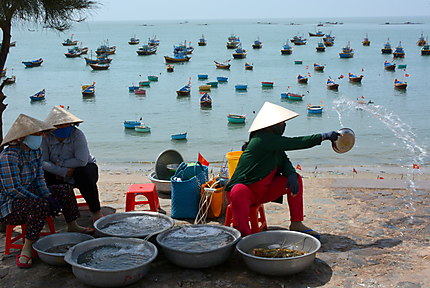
x=33 y=142
x=63 y=132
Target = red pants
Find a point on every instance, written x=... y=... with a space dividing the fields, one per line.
x=268 y=189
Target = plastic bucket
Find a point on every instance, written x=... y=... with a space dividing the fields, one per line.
x=233 y=159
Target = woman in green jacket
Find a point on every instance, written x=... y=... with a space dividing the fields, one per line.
x=264 y=172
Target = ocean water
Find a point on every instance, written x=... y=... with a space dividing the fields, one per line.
x=392 y=131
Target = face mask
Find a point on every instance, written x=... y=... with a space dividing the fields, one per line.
x=33 y=142
x=63 y=132
x=279 y=129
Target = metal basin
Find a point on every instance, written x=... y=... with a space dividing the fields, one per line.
x=207 y=255
x=119 y=274
x=276 y=239
x=133 y=224
x=162 y=186
x=52 y=248
x=345 y=142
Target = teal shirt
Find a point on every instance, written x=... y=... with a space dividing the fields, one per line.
x=265 y=152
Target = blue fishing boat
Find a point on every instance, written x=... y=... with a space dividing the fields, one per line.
x=131 y=89
x=387 y=48
x=421 y=41
x=105 y=49
x=318 y=33
x=318 y=67
x=202 y=76
x=89 y=90
x=146 y=50
x=257 y=44
x=389 y=66
x=153 y=78
x=153 y=41
x=286 y=49
x=206 y=100
x=332 y=85
x=239 y=53
x=100 y=59
x=328 y=40
x=425 y=50
x=400 y=84
x=399 y=52
x=213 y=84
x=347 y=52
x=130 y=124
x=315 y=109
x=142 y=128
x=320 y=47
x=70 y=41
x=134 y=40
x=294 y=96
x=202 y=41
x=39 y=96
x=222 y=79
x=284 y=96
x=180 y=136
x=355 y=78
x=236 y=118
x=249 y=66
x=241 y=87
x=302 y=79
x=224 y=65
x=184 y=91
x=233 y=42
x=144 y=83
x=298 y=40
x=33 y=63
x=180 y=57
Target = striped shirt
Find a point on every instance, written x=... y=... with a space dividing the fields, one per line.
x=21 y=175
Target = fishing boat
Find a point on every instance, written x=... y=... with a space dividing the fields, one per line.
x=239 y=53
x=99 y=66
x=105 y=49
x=302 y=79
x=319 y=67
x=73 y=52
x=267 y=84
x=180 y=136
x=299 y=62
x=425 y=50
x=134 y=40
x=294 y=96
x=213 y=84
x=139 y=91
x=153 y=41
x=400 y=84
x=206 y=101
x=39 y=96
x=130 y=124
x=389 y=66
x=286 y=49
x=257 y=44
x=100 y=59
x=205 y=87
x=298 y=40
x=181 y=57
x=184 y=91
x=347 y=52
x=328 y=40
x=153 y=78
x=241 y=87
x=320 y=47
x=222 y=79
x=70 y=42
x=399 y=52
x=249 y=66
x=202 y=76
x=170 y=68
x=355 y=78
x=233 y=42
x=318 y=33
x=146 y=50
x=142 y=128
x=366 y=41
x=402 y=66
x=421 y=41
x=10 y=80
x=3 y=72
x=202 y=41
x=387 y=48
x=315 y=109
x=236 y=118
x=225 y=65
x=12 y=44
x=132 y=88
x=332 y=85
x=34 y=63
x=89 y=90
x=182 y=48
x=144 y=83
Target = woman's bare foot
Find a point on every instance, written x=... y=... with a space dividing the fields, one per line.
x=97 y=215
x=300 y=227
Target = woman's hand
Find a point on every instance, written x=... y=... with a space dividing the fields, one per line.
x=70 y=172
x=293 y=184
x=332 y=136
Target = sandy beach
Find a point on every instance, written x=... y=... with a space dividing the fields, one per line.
x=374 y=225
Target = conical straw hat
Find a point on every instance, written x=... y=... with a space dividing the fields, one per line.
x=59 y=116
x=271 y=114
x=23 y=126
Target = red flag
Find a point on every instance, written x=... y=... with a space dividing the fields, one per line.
x=362 y=69
x=416 y=166
x=299 y=167
x=62 y=106
x=307 y=67
x=379 y=177
x=355 y=171
x=288 y=87
x=202 y=160
x=406 y=75
x=362 y=97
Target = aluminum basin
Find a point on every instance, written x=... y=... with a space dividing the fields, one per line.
x=58 y=244
x=162 y=186
x=133 y=226
x=198 y=259
x=275 y=239
x=121 y=275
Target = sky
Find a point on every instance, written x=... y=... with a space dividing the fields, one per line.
x=255 y=9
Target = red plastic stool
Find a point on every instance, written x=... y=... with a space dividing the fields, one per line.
x=10 y=240
x=257 y=218
x=148 y=190
x=80 y=203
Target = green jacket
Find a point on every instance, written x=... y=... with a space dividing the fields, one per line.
x=265 y=152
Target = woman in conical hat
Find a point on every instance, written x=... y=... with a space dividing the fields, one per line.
x=24 y=195
x=264 y=172
x=67 y=159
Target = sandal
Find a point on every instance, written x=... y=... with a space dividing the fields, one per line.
x=308 y=231
x=23 y=265
x=88 y=231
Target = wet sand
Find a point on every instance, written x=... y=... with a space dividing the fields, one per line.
x=374 y=233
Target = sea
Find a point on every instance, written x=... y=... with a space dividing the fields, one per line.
x=391 y=131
